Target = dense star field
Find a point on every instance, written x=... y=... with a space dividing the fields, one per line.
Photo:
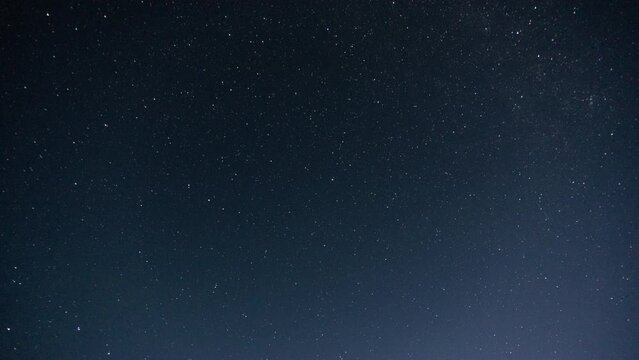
x=319 y=180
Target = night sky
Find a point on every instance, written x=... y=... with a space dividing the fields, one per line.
x=319 y=180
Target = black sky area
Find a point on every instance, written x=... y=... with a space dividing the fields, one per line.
x=319 y=180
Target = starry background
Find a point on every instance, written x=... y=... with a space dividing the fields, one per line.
x=329 y=180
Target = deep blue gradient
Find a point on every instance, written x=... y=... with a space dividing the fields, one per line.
x=337 y=180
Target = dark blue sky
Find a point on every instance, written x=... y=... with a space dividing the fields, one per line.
x=286 y=180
